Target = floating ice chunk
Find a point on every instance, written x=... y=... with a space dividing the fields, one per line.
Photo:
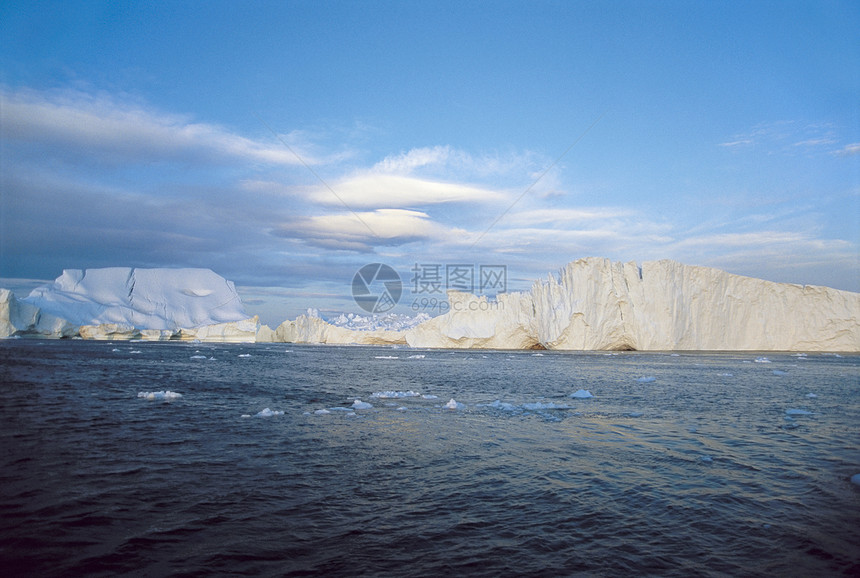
x=244 y=355
x=416 y=357
x=135 y=351
x=429 y=396
x=198 y=357
x=358 y=404
x=646 y=379
x=395 y=394
x=797 y=412
x=115 y=349
x=855 y=479
x=581 y=394
x=811 y=395
x=762 y=360
x=635 y=414
x=246 y=415
x=386 y=357
x=537 y=354
x=268 y=413
x=322 y=412
x=454 y=404
x=401 y=408
x=726 y=374
x=537 y=406
x=799 y=355
x=706 y=459
x=503 y=406
x=779 y=372
x=159 y=395
x=831 y=355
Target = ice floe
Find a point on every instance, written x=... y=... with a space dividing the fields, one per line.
x=395 y=394
x=385 y=357
x=453 y=404
x=581 y=394
x=358 y=404
x=429 y=396
x=762 y=360
x=198 y=357
x=416 y=357
x=797 y=412
x=159 y=395
x=539 y=406
x=646 y=379
x=811 y=395
x=244 y=355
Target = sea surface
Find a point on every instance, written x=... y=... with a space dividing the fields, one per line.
x=477 y=463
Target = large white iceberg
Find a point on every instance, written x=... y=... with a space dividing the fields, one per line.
x=126 y=302
x=595 y=304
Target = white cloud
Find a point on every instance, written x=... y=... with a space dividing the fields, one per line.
x=361 y=231
x=372 y=190
x=73 y=123
x=850 y=150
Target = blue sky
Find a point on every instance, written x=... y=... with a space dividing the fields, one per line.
x=287 y=144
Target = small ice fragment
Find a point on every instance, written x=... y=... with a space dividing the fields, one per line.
x=134 y=351
x=416 y=357
x=797 y=412
x=811 y=395
x=646 y=379
x=358 y=404
x=158 y=395
x=401 y=409
x=429 y=396
x=268 y=413
x=386 y=357
x=762 y=360
x=246 y=415
x=581 y=394
x=395 y=394
x=115 y=349
x=244 y=355
x=635 y=414
x=537 y=406
x=537 y=354
x=779 y=372
x=706 y=459
x=453 y=404
x=198 y=357
x=322 y=412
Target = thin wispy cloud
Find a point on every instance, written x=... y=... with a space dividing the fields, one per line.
x=71 y=123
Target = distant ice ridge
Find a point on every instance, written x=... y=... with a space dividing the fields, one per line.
x=387 y=322
x=131 y=303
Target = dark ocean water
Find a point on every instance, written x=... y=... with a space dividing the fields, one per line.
x=685 y=465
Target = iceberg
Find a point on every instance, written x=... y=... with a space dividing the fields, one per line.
x=597 y=304
x=591 y=304
x=131 y=303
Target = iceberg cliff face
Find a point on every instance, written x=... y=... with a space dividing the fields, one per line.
x=130 y=303
x=665 y=305
x=595 y=304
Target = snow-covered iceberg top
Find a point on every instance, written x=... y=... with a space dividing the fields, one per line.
x=155 y=299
